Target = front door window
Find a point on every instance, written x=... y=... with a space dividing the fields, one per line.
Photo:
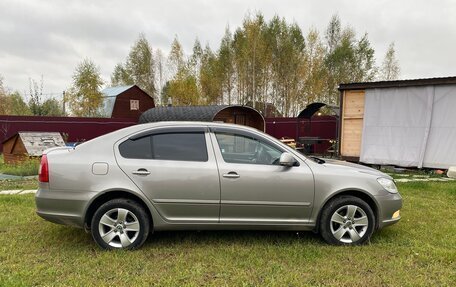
x=243 y=149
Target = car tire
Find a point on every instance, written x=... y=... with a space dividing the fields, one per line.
x=120 y=224
x=347 y=220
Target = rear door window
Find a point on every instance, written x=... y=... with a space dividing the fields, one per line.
x=167 y=146
x=182 y=146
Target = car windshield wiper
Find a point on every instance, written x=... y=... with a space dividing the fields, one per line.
x=317 y=159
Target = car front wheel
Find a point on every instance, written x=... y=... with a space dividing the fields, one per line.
x=347 y=220
x=120 y=224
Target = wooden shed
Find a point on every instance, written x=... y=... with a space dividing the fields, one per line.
x=125 y=102
x=24 y=145
x=241 y=115
x=404 y=123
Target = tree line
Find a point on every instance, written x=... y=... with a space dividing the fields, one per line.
x=261 y=62
x=12 y=103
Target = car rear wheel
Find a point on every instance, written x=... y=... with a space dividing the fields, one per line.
x=120 y=224
x=347 y=220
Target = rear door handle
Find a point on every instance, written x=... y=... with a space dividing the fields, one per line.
x=142 y=171
x=231 y=174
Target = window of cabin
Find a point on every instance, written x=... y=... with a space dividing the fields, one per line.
x=134 y=105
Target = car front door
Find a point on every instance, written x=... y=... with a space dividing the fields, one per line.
x=255 y=188
x=176 y=169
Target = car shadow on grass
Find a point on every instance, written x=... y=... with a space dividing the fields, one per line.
x=222 y=237
x=66 y=236
x=77 y=238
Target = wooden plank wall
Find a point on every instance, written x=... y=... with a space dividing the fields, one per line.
x=352 y=123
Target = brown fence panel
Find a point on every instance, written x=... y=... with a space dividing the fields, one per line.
x=77 y=129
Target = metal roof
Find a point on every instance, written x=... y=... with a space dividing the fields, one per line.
x=310 y=110
x=109 y=99
x=186 y=113
x=398 y=83
x=115 y=91
x=37 y=142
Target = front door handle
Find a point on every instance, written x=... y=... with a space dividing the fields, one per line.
x=231 y=174
x=142 y=171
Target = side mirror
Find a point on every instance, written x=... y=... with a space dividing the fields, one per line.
x=286 y=159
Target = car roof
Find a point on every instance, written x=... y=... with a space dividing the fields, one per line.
x=115 y=135
x=195 y=124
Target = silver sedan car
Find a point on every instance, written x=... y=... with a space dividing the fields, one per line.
x=206 y=176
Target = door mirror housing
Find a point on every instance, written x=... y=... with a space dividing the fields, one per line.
x=286 y=159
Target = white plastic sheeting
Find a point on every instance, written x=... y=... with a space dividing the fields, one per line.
x=441 y=145
x=410 y=126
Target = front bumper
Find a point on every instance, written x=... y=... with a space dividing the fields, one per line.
x=62 y=206
x=388 y=205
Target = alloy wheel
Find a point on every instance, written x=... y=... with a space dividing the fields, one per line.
x=119 y=227
x=349 y=223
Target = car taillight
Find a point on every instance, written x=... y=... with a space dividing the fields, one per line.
x=43 y=174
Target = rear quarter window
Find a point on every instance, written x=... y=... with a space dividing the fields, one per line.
x=140 y=148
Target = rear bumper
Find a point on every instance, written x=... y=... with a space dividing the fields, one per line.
x=388 y=205
x=65 y=219
x=62 y=206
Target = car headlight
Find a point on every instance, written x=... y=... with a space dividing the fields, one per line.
x=387 y=184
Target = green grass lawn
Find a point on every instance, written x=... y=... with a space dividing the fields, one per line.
x=23 y=183
x=418 y=251
x=25 y=168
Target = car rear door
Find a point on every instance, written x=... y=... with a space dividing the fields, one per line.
x=254 y=187
x=175 y=167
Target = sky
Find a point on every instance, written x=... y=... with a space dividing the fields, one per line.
x=48 y=38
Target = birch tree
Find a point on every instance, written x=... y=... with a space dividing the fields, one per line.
x=84 y=96
x=390 y=69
